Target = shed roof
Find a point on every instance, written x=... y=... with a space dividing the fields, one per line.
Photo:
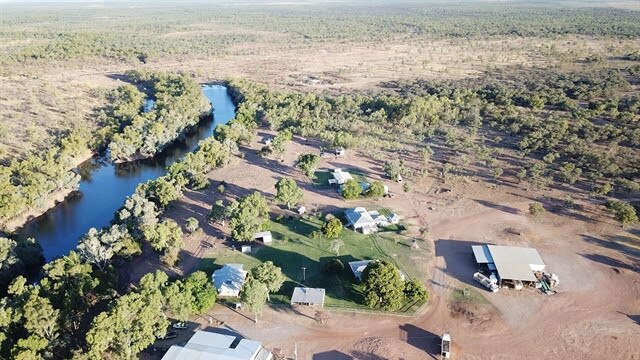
x=514 y=263
x=308 y=296
x=263 y=234
x=205 y=345
x=357 y=267
x=482 y=254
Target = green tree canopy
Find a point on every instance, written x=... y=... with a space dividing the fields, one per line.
x=254 y=296
x=164 y=236
x=382 y=286
x=332 y=228
x=270 y=275
x=308 y=163
x=624 y=212
x=248 y=216
x=376 y=190
x=351 y=189
x=288 y=193
x=414 y=290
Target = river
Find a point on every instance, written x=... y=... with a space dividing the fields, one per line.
x=105 y=186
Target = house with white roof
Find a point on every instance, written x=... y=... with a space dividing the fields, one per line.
x=205 y=345
x=359 y=219
x=229 y=280
x=357 y=267
x=339 y=177
x=307 y=296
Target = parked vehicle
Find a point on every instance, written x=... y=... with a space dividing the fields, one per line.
x=445 y=346
x=479 y=277
x=180 y=326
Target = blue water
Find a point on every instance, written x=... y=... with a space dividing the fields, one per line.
x=105 y=186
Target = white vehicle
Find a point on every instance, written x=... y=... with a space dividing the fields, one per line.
x=486 y=282
x=445 y=346
x=493 y=278
x=180 y=326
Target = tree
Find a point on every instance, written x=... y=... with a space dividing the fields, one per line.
x=570 y=173
x=254 y=296
x=203 y=292
x=376 y=190
x=288 y=193
x=192 y=225
x=98 y=247
x=133 y=322
x=536 y=209
x=280 y=141
x=382 y=286
x=624 y=212
x=426 y=154
x=414 y=290
x=336 y=245
x=70 y=285
x=332 y=228
x=351 y=189
x=395 y=169
x=219 y=212
x=248 y=216
x=270 y=275
x=604 y=189
x=164 y=236
x=308 y=163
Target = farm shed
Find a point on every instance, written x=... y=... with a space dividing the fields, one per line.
x=307 y=296
x=510 y=262
x=264 y=236
x=209 y=345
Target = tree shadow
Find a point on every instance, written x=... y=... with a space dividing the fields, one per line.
x=421 y=339
x=613 y=263
x=626 y=245
x=493 y=205
x=331 y=355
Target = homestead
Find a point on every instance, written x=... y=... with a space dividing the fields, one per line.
x=264 y=236
x=367 y=222
x=229 y=280
x=209 y=345
x=307 y=296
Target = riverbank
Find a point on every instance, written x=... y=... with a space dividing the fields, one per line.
x=53 y=199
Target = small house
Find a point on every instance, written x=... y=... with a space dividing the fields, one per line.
x=301 y=210
x=264 y=236
x=268 y=141
x=394 y=218
x=339 y=177
x=307 y=296
x=229 y=280
x=245 y=249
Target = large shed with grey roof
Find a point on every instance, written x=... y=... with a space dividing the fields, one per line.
x=205 y=345
x=510 y=262
x=307 y=296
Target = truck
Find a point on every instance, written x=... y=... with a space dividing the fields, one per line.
x=486 y=282
x=445 y=346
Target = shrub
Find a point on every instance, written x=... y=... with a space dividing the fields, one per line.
x=536 y=209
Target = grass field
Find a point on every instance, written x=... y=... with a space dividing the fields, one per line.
x=321 y=179
x=293 y=248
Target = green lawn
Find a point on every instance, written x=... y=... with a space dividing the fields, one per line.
x=321 y=179
x=357 y=175
x=293 y=249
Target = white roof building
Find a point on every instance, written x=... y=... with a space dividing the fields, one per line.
x=229 y=280
x=307 y=296
x=510 y=262
x=340 y=177
x=205 y=345
x=357 y=267
x=265 y=236
x=368 y=221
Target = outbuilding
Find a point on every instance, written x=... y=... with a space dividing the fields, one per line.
x=264 y=236
x=510 y=263
x=308 y=296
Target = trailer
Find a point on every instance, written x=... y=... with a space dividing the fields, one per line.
x=486 y=282
x=445 y=346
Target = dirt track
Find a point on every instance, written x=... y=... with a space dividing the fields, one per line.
x=595 y=315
